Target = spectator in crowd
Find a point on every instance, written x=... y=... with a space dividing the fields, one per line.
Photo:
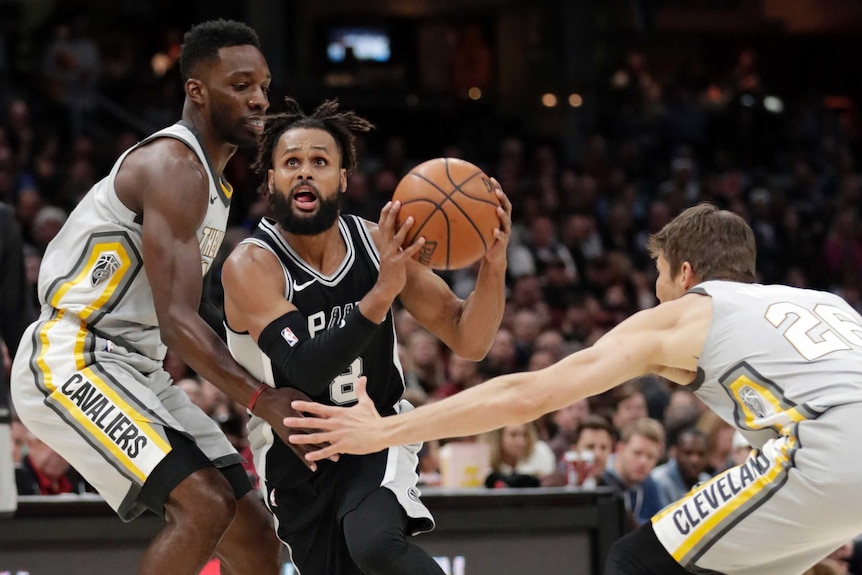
x=629 y=405
x=518 y=457
x=44 y=472
x=686 y=464
x=638 y=450
x=461 y=374
x=565 y=425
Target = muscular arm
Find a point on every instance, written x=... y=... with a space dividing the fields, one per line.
x=670 y=335
x=166 y=183
x=467 y=326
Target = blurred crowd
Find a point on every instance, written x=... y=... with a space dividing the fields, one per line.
x=577 y=263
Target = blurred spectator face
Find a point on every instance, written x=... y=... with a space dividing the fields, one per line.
x=29 y=204
x=462 y=371
x=46 y=459
x=192 y=387
x=690 y=454
x=542 y=232
x=630 y=409
x=514 y=443
x=424 y=349
x=540 y=360
x=551 y=341
x=526 y=292
x=567 y=418
x=405 y=324
x=47 y=224
x=502 y=351
x=526 y=327
x=636 y=458
x=600 y=443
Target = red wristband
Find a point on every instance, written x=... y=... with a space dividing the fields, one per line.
x=254 y=396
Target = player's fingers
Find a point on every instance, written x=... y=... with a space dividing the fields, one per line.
x=306 y=423
x=384 y=213
x=401 y=234
x=413 y=248
x=318 y=409
x=325 y=453
x=505 y=202
x=318 y=438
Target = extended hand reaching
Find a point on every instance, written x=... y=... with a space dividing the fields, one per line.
x=346 y=429
x=275 y=407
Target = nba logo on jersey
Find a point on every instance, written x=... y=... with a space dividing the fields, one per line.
x=289 y=337
x=105 y=267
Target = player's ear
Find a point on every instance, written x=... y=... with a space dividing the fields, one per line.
x=195 y=90
x=687 y=276
x=270 y=182
x=343 y=185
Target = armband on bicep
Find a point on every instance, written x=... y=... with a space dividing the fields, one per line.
x=310 y=364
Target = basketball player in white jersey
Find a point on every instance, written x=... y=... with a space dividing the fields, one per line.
x=121 y=281
x=783 y=365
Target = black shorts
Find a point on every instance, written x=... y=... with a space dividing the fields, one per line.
x=184 y=459
x=640 y=553
x=309 y=516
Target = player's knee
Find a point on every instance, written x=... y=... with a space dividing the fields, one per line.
x=373 y=552
x=203 y=500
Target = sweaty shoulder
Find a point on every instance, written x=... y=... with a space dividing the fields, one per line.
x=249 y=264
x=163 y=166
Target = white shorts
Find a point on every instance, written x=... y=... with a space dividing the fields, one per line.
x=788 y=506
x=105 y=408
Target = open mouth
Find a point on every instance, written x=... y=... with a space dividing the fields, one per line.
x=305 y=199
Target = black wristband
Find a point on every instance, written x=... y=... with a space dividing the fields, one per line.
x=310 y=364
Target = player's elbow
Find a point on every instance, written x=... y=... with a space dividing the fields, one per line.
x=472 y=352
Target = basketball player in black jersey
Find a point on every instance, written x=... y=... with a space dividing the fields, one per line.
x=307 y=305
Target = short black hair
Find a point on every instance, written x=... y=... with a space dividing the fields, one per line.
x=203 y=41
x=327 y=117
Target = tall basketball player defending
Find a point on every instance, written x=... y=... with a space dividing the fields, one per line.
x=307 y=304
x=781 y=364
x=124 y=275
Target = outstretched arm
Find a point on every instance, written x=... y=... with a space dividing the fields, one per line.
x=467 y=327
x=670 y=335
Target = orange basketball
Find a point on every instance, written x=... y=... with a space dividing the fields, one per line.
x=454 y=208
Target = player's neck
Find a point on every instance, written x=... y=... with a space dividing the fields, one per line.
x=217 y=149
x=324 y=251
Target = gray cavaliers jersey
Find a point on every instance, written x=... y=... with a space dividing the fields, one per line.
x=93 y=268
x=777 y=355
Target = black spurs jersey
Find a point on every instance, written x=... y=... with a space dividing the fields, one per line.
x=324 y=301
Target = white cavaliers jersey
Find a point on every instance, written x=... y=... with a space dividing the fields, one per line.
x=777 y=355
x=94 y=269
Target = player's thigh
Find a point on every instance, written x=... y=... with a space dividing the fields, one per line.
x=205 y=431
x=783 y=509
x=98 y=416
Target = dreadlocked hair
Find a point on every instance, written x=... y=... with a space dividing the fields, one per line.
x=342 y=126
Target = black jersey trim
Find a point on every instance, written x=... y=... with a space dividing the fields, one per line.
x=267 y=226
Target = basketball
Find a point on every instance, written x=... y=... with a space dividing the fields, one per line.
x=454 y=208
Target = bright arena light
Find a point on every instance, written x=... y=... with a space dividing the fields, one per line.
x=773 y=104
x=549 y=100
x=474 y=93
x=576 y=100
